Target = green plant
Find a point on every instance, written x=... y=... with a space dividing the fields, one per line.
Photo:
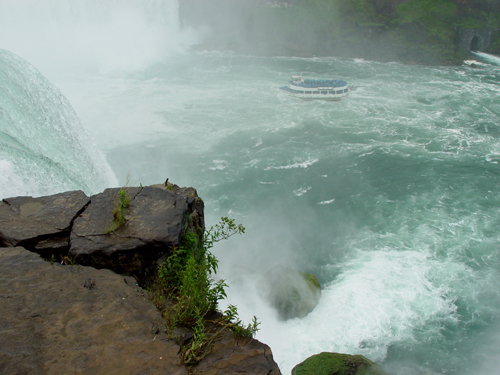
x=119 y=210
x=52 y=259
x=199 y=346
x=186 y=279
x=234 y=323
x=68 y=261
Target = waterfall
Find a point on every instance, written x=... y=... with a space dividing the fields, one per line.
x=60 y=35
x=43 y=147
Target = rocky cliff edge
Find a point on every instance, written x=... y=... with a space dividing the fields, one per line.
x=90 y=315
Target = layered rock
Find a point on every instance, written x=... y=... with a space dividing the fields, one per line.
x=155 y=222
x=476 y=39
x=231 y=354
x=73 y=226
x=40 y=224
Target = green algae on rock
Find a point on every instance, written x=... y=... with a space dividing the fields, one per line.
x=337 y=364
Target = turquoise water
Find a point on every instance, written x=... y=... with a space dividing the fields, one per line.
x=389 y=197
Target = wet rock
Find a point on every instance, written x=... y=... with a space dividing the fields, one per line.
x=337 y=364
x=292 y=293
x=52 y=323
x=40 y=224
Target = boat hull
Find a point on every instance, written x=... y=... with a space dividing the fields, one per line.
x=317 y=94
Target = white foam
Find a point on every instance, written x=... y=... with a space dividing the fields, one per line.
x=474 y=62
x=301 y=191
x=219 y=165
x=327 y=202
x=302 y=164
x=491 y=58
x=379 y=298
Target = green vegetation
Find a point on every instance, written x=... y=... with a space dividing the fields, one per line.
x=424 y=31
x=119 y=210
x=335 y=363
x=68 y=261
x=187 y=292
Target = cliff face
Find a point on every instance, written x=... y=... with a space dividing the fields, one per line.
x=82 y=310
x=422 y=31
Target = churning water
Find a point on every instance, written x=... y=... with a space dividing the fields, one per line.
x=389 y=197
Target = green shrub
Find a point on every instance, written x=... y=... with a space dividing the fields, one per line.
x=186 y=280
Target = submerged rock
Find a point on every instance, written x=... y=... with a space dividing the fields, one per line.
x=292 y=293
x=337 y=364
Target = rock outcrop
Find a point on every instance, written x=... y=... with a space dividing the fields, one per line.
x=337 y=364
x=89 y=316
x=155 y=222
x=73 y=226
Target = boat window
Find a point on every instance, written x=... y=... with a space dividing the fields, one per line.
x=346 y=90
x=339 y=92
x=331 y=92
x=324 y=92
x=308 y=92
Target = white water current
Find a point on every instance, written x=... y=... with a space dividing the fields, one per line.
x=389 y=197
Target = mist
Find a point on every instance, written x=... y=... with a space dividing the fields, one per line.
x=62 y=37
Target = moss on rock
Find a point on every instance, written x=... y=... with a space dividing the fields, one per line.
x=337 y=364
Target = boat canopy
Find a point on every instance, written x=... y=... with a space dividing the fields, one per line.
x=312 y=83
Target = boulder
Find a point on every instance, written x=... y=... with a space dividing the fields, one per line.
x=80 y=229
x=294 y=294
x=337 y=364
x=233 y=355
x=155 y=221
x=40 y=224
x=62 y=319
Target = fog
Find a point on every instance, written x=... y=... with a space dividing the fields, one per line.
x=61 y=37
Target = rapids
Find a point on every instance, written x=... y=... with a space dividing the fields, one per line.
x=389 y=196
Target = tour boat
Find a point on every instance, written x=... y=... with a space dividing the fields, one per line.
x=325 y=89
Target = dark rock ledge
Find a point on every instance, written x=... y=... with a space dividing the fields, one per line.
x=94 y=318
